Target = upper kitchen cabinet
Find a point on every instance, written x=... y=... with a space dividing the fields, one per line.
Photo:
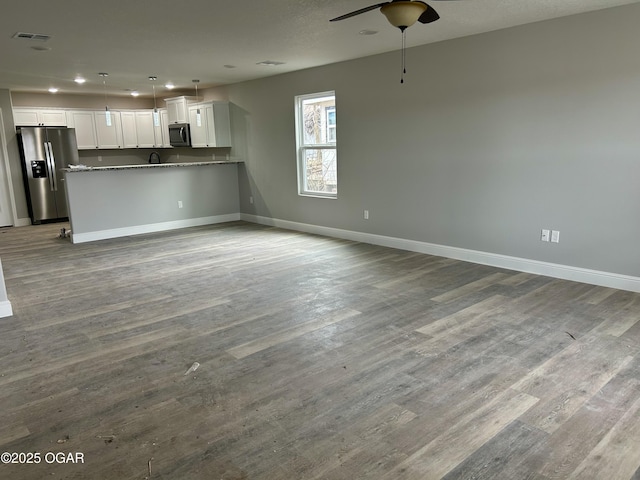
x=177 y=108
x=92 y=130
x=85 y=125
x=35 y=117
x=164 y=128
x=109 y=136
x=140 y=131
x=210 y=125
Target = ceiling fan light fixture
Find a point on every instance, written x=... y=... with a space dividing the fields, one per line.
x=403 y=14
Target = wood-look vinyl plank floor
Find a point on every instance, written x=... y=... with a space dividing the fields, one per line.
x=319 y=358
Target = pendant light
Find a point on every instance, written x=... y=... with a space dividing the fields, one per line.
x=198 y=116
x=107 y=113
x=156 y=115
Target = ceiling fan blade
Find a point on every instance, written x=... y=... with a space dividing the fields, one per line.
x=358 y=12
x=429 y=15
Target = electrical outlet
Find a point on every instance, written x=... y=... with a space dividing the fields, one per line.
x=366 y=214
x=179 y=203
x=251 y=200
x=555 y=236
x=544 y=237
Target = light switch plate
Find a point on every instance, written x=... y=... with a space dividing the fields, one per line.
x=555 y=236
x=544 y=236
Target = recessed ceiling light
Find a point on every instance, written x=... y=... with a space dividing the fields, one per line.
x=368 y=32
x=229 y=66
x=40 y=48
x=135 y=93
x=270 y=63
x=170 y=86
x=53 y=90
x=79 y=80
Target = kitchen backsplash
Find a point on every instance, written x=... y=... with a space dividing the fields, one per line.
x=104 y=158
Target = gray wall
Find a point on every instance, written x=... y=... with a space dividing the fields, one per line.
x=492 y=138
x=116 y=199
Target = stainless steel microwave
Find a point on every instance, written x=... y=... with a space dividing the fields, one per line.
x=179 y=135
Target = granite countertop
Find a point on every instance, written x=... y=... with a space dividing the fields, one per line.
x=85 y=168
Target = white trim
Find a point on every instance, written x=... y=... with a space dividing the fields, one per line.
x=5 y=309
x=565 y=272
x=23 y=222
x=151 y=228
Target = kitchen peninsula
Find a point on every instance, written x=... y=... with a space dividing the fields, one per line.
x=116 y=201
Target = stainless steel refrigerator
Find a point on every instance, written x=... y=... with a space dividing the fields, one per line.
x=44 y=151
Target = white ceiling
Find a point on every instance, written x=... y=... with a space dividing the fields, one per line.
x=182 y=40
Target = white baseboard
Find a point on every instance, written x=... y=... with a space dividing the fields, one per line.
x=5 y=309
x=151 y=228
x=565 y=272
x=23 y=222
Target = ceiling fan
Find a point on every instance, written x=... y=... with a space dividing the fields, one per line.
x=401 y=14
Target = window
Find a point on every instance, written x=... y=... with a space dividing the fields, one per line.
x=316 y=144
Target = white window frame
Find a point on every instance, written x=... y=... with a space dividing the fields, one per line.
x=330 y=127
x=301 y=147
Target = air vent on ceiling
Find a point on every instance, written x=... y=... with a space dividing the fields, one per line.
x=32 y=36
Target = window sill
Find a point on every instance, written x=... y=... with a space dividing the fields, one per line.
x=318 y=195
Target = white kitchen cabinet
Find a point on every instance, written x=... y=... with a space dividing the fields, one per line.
x=34 y=117
x=177 y=108
x=139 y=131
x=129 y=133
x=162 y=132
x=92 y=130
x=210 y=124
x=109 y=136
x=85 y=126
x=145 y=129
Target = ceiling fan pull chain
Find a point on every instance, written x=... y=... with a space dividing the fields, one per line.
x=404 y=70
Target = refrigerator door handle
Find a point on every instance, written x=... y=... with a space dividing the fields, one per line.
x=52 y=166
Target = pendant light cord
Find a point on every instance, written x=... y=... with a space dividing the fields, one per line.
x=104 y=89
